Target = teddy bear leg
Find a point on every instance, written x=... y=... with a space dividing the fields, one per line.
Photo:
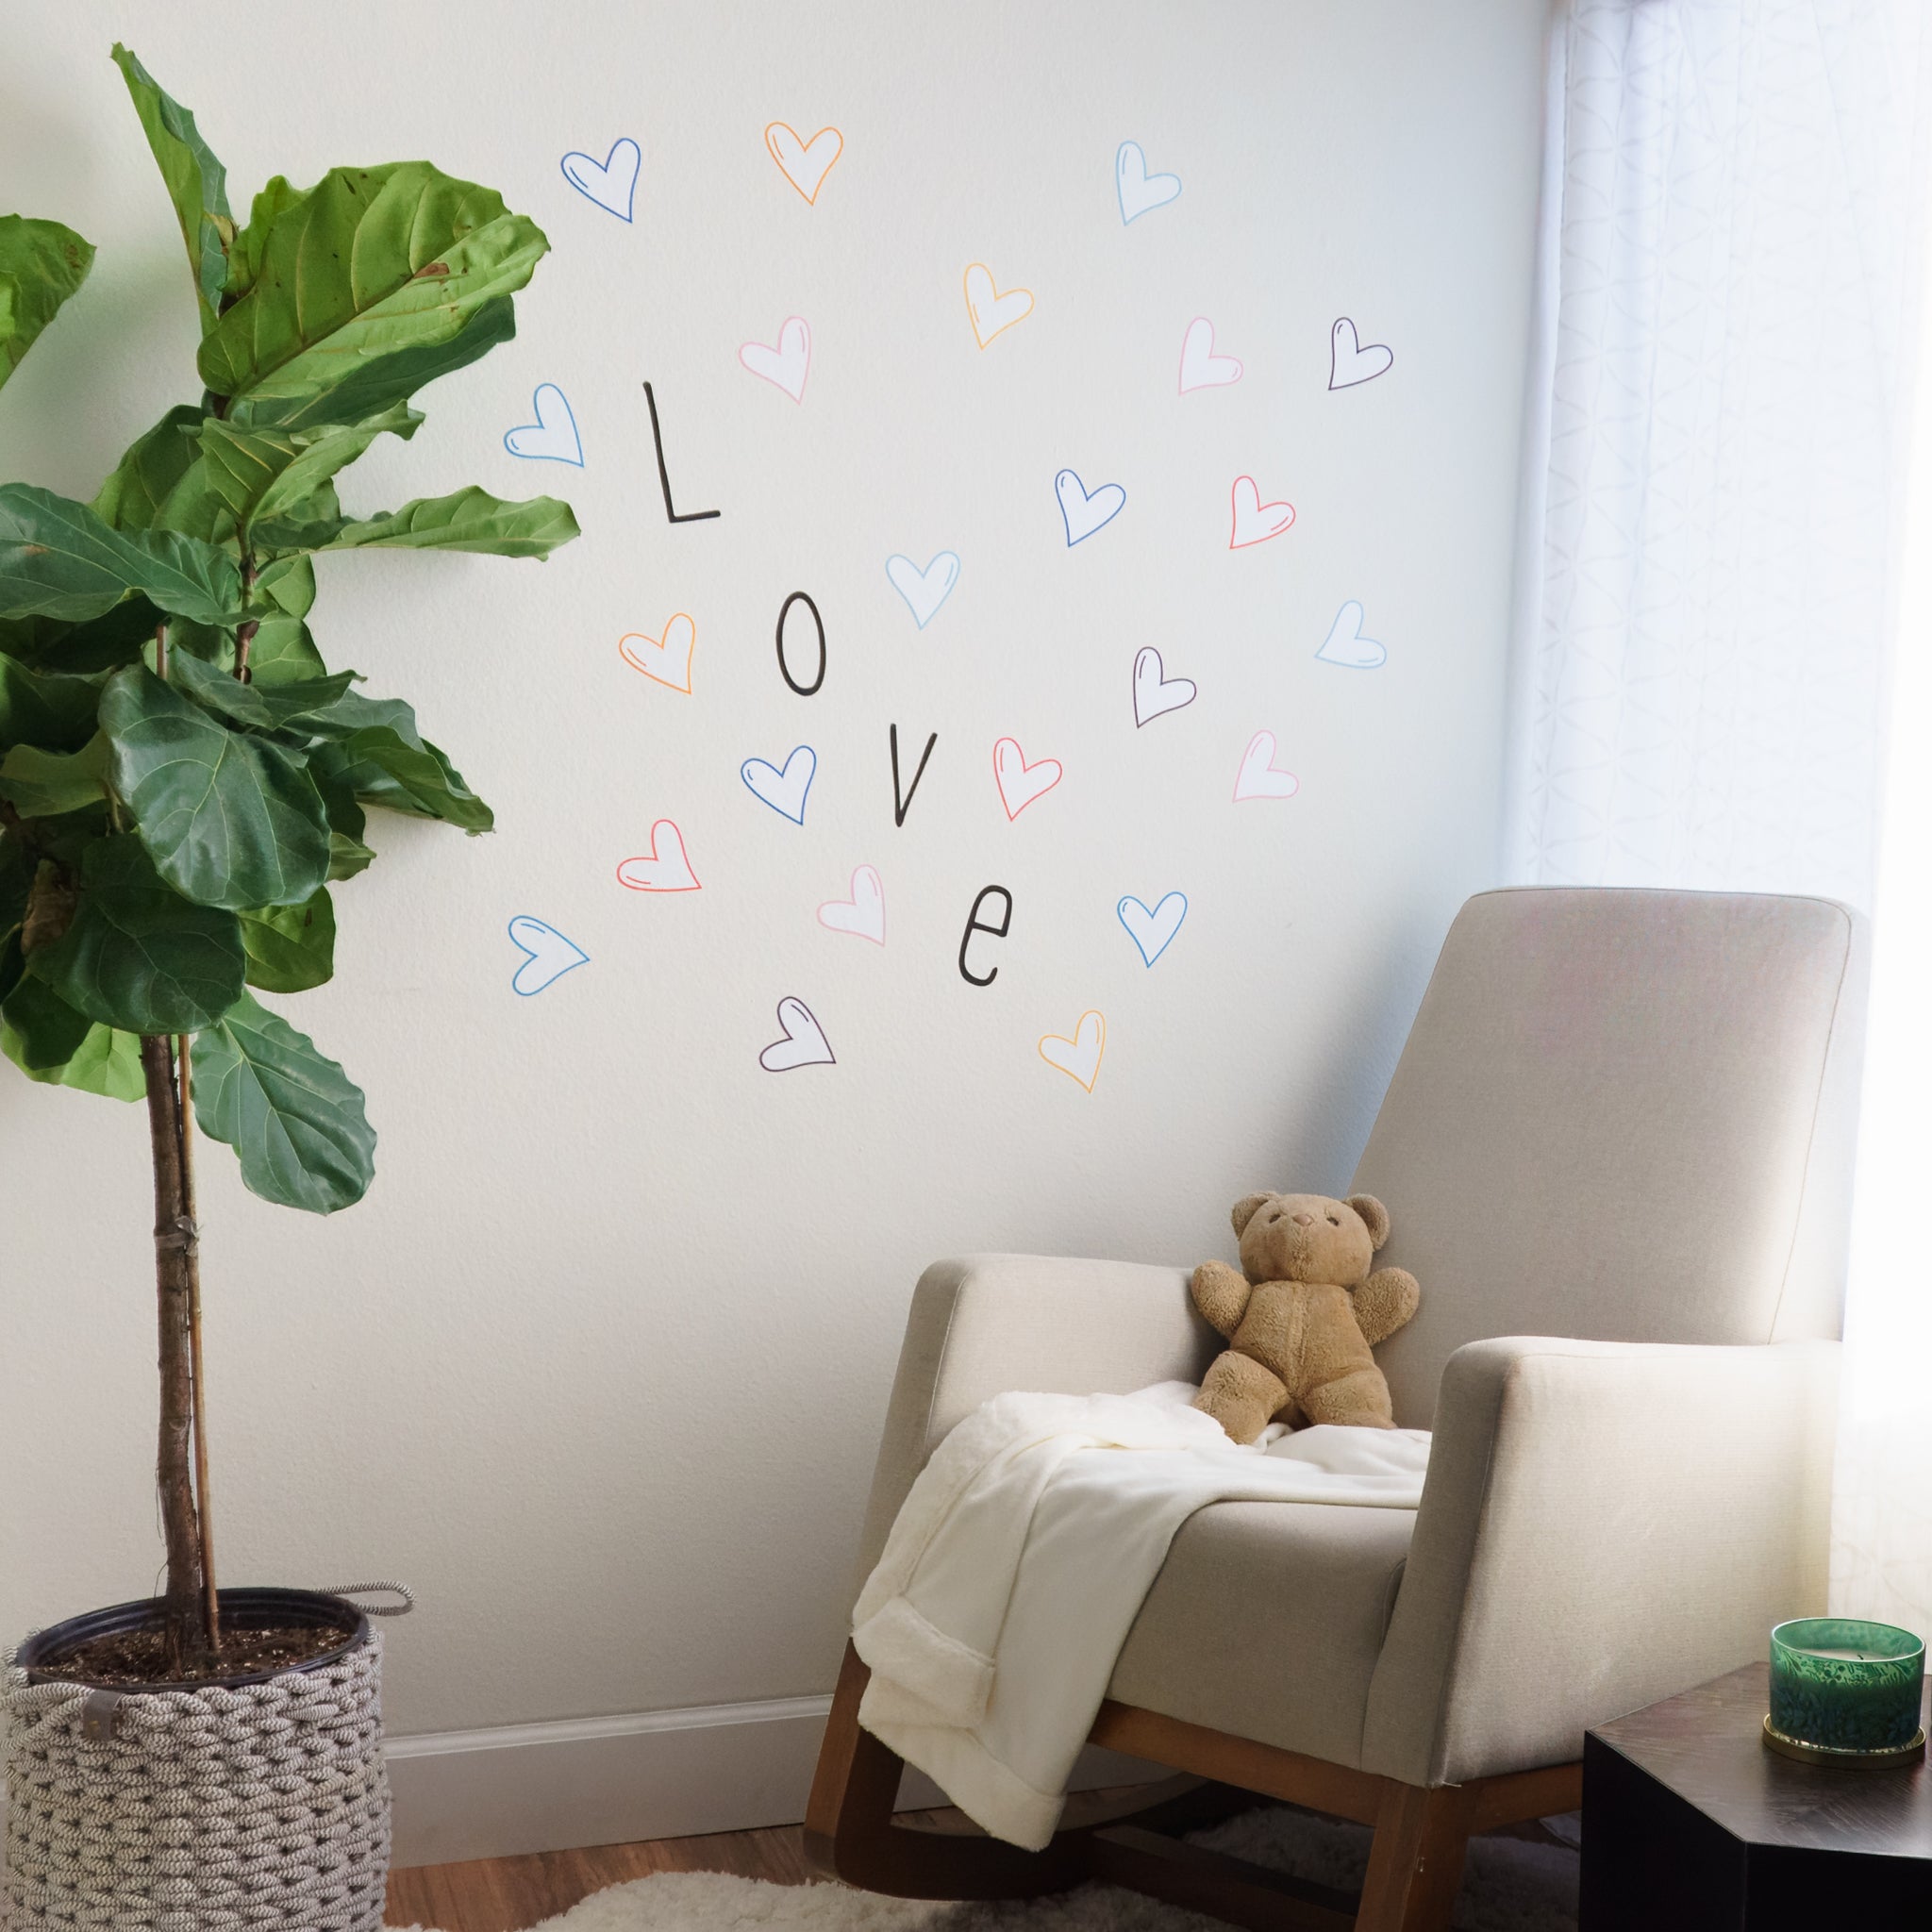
x=1240 y=1395
x=1359 y=1398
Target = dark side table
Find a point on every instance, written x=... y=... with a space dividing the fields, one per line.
x=1690 y=1824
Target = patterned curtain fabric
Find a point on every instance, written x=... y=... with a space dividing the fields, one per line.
x=1719 y=555
x=1703 y=671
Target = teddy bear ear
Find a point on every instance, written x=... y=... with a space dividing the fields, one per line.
x=1244 y=1210
x=1374 y=1216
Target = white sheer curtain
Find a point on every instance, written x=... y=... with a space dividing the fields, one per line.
x=1714 y=570
x=1701 y=673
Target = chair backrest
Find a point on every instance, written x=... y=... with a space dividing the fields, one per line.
x=1623 y=1116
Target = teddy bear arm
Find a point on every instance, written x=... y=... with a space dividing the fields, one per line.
x=1384 y=1302
x=1221 y=1293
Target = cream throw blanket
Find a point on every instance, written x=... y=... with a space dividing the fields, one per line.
x=1020 y=1559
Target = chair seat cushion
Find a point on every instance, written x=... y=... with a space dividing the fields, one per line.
x=1266 y=1622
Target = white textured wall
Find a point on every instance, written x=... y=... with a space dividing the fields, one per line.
x=599 y=1364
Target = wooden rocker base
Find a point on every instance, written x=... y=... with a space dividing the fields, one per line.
x=1415 y=1865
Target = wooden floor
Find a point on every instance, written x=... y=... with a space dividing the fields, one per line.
x=510 y=1895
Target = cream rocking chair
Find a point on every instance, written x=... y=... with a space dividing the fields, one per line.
x=1621 y=1117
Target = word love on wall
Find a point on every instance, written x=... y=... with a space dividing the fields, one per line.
x=609 y=182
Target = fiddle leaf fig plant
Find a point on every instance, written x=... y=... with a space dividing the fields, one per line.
x=182 y=777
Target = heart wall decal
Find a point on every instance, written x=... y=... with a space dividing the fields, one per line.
x=1021 y=783
x=665 y=660
x=1259 y=777
x=1201 y=368
x=804 y=1044
x=784 y=789
x=1351 y=360
x=992 y=313
x=1345 y=644
x=804 y=163
x=1077 y=1058
x=1155 y=693
x=925 y=589
x=1254 y=521
x=1152 y=927
x=547 y=955
x=664 y=867
x=1084 y=511
x=863 y=915
x=1139 y=191
x=552 y=437
x=612 y=183
x=787 y=366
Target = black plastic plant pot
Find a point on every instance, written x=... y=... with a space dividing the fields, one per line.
x=241 y=1610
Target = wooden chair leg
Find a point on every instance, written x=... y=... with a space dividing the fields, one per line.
x=1415 y=1864
x=849 y=1833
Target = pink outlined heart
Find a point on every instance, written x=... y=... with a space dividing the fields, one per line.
x=1259 y=777
x=1021 y=783
x=664 y=867
x=1201 y=368
x=802 y=163
x=787 y=366
x=1254 y=521
x=664 y=660
x=863 y=915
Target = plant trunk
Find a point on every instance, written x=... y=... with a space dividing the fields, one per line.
x=193 y=1638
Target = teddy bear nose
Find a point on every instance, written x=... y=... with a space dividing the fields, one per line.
x=1302 y=1220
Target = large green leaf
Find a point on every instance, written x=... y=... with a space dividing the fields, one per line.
x=362 y=388
x=137 y=956
x=49 y=1042
x=230 y=820
x=371 y=263
x=283 y=652
x=44 y=784
x=49 y=709
x=261 y=707
x=469 y=519
x=149 y=469
x=197 y=183
x=290 y=948
x=293 y=1118
x=274 y=482
x=245 y=251
x=378 y=751
x=59 y=558
x=41 y=264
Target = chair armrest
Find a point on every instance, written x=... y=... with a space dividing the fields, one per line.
x=1603 y=1525
x=985 y=1324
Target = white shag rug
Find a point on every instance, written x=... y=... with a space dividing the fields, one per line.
x=1511 y=1885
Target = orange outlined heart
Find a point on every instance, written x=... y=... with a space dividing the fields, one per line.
x=1077 y=1058
x=801 y=162
x=665 y=660
x=993 y=314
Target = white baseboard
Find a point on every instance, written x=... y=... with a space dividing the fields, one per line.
x=608 y=1780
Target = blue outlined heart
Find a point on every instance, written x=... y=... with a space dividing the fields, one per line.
x=925 y=589
x=552 y=437
x=612 y=183
x=1139 y=191
x=547 y=955
x=1084 y=511
x=785 y=788
x=1152 y=929
x=1345 y=644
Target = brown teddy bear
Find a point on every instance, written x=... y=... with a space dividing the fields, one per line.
x=1304 y=1319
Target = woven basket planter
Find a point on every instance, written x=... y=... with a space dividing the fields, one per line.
x=253 y=1804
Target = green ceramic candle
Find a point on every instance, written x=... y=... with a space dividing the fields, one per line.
x=1839 y=1685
